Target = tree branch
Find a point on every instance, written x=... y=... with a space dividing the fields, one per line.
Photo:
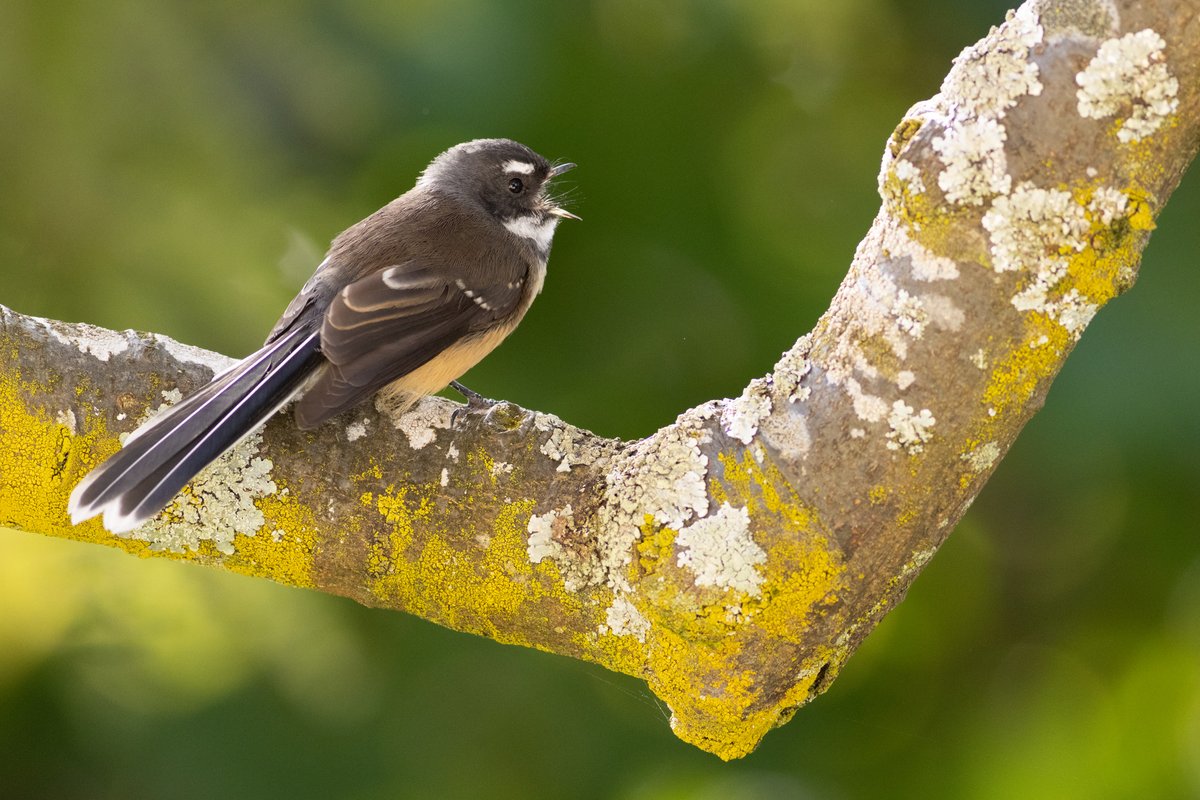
x=736 y=558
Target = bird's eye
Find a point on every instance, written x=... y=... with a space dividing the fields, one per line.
x=516 y=186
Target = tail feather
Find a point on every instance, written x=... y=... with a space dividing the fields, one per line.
x=143 y=450
x=162 y=456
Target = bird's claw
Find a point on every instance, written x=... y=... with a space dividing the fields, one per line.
x=475 y=401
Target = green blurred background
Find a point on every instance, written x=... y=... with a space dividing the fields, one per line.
x=178 y=167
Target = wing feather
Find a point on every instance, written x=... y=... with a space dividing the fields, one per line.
x=393 y=321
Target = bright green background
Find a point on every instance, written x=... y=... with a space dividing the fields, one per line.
x=173 y=167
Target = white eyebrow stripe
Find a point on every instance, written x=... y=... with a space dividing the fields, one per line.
x=523 y=167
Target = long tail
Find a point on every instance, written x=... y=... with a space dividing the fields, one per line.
x=163 y=455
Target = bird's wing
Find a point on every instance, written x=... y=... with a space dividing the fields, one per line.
x=393 y=321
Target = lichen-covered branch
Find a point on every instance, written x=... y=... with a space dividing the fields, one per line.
x=736 y=558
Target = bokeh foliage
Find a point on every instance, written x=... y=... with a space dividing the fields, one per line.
x=178 y=166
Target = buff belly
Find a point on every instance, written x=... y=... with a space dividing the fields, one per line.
x=437 y=373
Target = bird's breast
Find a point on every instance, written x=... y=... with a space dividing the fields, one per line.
x=533 y=284
x=436 y=374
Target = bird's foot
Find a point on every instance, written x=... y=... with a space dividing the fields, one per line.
x=475 y=401
x=474 y=398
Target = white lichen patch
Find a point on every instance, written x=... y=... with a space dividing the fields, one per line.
x=542 y=543
x=553 y=537
x=422 y=421
x=979 y=359
x=910 y=314
x=357 y=429
x=786 y=430
x=925 y=265
x=909 y=430
x=910 y=175
x=1039 y=230
x=190 y=354
x=444 y=480
x=1073 y=311
x=661 y=478
x=67 y=420
x=1035 y=296
x=871 y=309
x=989 y=77
x=500 y=468
x=100 y=343
x=741 y=416
x=1095 y=19
x=890 y=234
x=664 y=475
x=1035 y=229
x=982 y=457
x=719 y=551
x=919 y=558
x=942 y=312
x=867 y=407
x=791 y=370
x=624 y=619
x=1107 y=205
x=1129 y=77
x=873 y=305
x=975 y=165
x=571 y=446
x=218 y=503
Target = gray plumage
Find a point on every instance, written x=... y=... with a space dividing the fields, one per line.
x=405 y=301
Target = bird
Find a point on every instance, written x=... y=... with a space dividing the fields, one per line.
x=403 y=303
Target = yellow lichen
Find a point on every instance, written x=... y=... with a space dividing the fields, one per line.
x=803 y=570
x=506 y=584
x=934 y=226
x=715 y=704
x=283 y=549
x=903 y=134
x=655 y=546
x=41 y=460
x=1016 y=376
x=709 y=653
x=1098 y=273
x=423 y=568
x=1142 y=216
x=388 y=559
x=909 y=515
x=624 y=654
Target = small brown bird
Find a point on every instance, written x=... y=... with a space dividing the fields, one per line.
x=404 y=302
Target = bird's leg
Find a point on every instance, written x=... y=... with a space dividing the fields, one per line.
x=500 y=414
x=474 y=399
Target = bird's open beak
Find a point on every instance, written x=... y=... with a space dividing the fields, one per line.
x=562 y=213
x=555 y=171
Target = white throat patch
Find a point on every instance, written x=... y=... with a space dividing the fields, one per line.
x=540 y=233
